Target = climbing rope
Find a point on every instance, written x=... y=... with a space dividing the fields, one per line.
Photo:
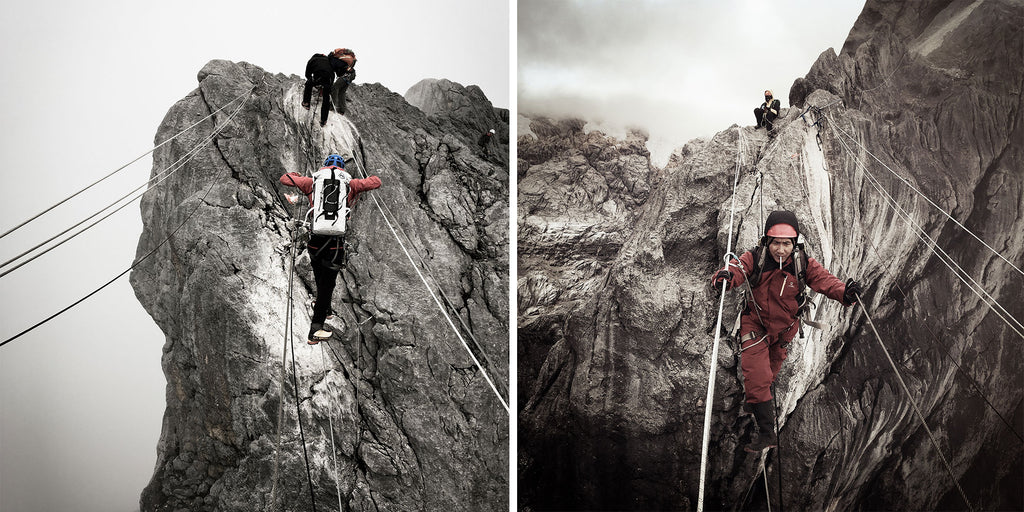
x=434 y=296
x=129 y=269
x=160 y=177
x=709 y=400
x=119 y=169
x=920 y=231
x=778 y=453
x=910 y=398
x=288 y=333
x=937 y=207
x=764 y=474
x=949 y=355
x=330 y=430
x=108 y=283
x=298 y=403
x=444 y=296
x=941 y=254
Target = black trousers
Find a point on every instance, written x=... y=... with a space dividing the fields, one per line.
x=307 y=94
x=326 y=262
x=764 y=118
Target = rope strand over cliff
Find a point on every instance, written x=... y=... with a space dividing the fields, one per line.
x=713 y=363
x=910 y=398
x=119 y=169
x=148 y=185
x=436 y=300
x=137 y=262
x=937 y=207
x=943 y=256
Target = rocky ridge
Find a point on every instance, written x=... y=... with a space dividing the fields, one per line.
x=616 y=320
x=394 y=414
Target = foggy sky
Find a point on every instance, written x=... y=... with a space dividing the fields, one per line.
x=83 y=89
x=680 y=70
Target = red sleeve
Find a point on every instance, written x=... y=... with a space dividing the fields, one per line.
x=822 y=281
x=738 y=277
x=363 y=184
x=294 y=179
x=357 y=185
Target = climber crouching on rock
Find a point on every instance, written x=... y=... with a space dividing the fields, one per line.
x=767 y=112
x=770 y=320
x=320 y=71
x=326 y=253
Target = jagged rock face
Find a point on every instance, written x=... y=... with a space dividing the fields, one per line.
x=466 y=109
x=616 y=320
x=393 y=395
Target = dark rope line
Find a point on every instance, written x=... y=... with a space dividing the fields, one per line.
x=899 y=377
x=160 y=177
x=298 y=411
x=129 y=269
x=423 y=264
x=910 y=398
x=119 y=169
x=947 y=353
x=444 y=296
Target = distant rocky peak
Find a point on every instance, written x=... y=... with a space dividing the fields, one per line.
x=434 y=96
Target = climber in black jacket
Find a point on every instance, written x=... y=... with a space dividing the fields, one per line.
x=767 y=112
x=320 y=71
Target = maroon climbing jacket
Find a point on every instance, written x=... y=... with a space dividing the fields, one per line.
x=776 y=294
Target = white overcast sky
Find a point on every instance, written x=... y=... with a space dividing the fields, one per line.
x=83 y=88
x=679 y=69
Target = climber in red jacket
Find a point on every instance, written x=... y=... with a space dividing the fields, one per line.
x=326 y=252
x=770 y=320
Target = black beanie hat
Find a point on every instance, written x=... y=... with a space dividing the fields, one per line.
x=782 y=217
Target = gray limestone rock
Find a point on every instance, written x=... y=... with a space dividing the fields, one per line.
x=394 y=414
x=616 y=318
x=468 y=112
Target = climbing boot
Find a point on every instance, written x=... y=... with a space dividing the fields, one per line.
x=318 y=333
x=764 y=415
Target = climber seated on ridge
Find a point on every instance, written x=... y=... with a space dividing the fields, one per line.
x=770 y=319
x=767 y=112
x=326 y=253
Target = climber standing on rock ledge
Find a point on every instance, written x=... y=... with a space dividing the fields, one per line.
x=776 y=272
x=767 y=112
x=326 y=252
x=344 y=78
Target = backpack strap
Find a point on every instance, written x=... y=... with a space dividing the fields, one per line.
x=760 y=254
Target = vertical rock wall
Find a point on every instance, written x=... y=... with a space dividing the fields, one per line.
x=395 y=415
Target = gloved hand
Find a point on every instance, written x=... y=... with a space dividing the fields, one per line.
x=853 y=290
x=722 y=275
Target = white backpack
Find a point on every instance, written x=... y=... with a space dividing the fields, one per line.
x=330 y=201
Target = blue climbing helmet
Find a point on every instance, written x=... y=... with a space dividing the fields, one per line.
x=335 y=161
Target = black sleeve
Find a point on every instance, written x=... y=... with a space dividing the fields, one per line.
x=310 y=67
